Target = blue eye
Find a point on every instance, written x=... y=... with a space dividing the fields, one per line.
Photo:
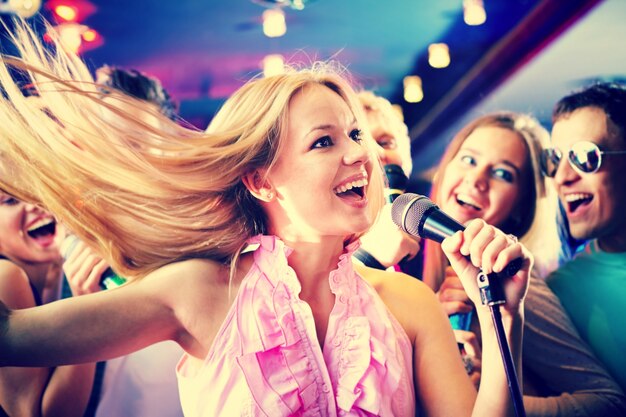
x=467 y=159
x=322 y=142
x=357 y=135
x=504 y=174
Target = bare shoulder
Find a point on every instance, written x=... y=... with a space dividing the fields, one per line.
x=194 y=289
x=190 y=272
x=9 y=270
x=388 y=283
x=15 y=289
x=187 y=281
x=410 y=300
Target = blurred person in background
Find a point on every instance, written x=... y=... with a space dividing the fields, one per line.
x=31 y=275
x=385 y=245
x=585 y=164
x=491 y=170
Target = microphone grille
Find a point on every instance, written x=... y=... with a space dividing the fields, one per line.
x=408 y=211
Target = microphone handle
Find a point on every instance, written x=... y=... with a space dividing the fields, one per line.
x=436 y=225
x=396 y=182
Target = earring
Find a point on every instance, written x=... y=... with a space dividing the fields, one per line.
x=270 y=195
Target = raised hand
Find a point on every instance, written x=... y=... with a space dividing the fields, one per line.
x=452 y=295
x=388 y=244
x=83 y=269
x=482 y=246
x=471 y=354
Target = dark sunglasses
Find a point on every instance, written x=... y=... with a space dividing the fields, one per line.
x=583 y=156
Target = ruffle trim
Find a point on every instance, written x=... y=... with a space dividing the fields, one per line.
x=275 y=351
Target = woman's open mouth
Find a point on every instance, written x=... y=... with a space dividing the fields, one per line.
x=43 y=230
x=353 y=191
x=466 y=202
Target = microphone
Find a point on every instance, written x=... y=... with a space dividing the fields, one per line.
x=109 y=279
x=396 y=182
x=419 y=216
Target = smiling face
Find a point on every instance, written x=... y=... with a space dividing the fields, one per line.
x=594 y=203
x=486 y=176
x=321 y=174
x=388 y=130
x=28 y=234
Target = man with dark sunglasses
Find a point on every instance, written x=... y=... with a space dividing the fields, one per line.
x=586 y=164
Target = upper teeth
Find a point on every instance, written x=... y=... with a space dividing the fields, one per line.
x=348 y=186
x=575 y=197
x=468 y=200
x=39 y=223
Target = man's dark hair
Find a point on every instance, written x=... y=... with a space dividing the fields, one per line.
x=609 y=97
x=138 y=85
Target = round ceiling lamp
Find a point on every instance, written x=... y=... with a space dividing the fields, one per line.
x=23 y=8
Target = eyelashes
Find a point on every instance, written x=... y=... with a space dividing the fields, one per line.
x=326 y=141
x=499 y=173
x=8 y=201
x=323 y=142
x=357 y=135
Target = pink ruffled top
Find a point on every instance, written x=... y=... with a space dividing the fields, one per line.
x=266 y=359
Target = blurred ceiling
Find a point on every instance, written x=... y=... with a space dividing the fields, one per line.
x=202 y=50
x=589 y=50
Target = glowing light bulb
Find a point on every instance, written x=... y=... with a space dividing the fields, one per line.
x=65 y=12
x=474 y=12
x=90 y=35
x=273 y=65
x=274 y=24
x=25 y=8
x=69 y=35
x=413 y=92
x=438 y=55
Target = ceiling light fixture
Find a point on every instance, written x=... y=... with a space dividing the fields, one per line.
x=22 y=8
x=474 y=13
x=273 y=64
x=413 y=92
x=274 y=24
x=66 y=12
x=74 y=37
x=438 y=55
x=70 y=35
x=70 y=10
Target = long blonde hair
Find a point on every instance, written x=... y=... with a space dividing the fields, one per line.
x=145 y=196
x=537 y=226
